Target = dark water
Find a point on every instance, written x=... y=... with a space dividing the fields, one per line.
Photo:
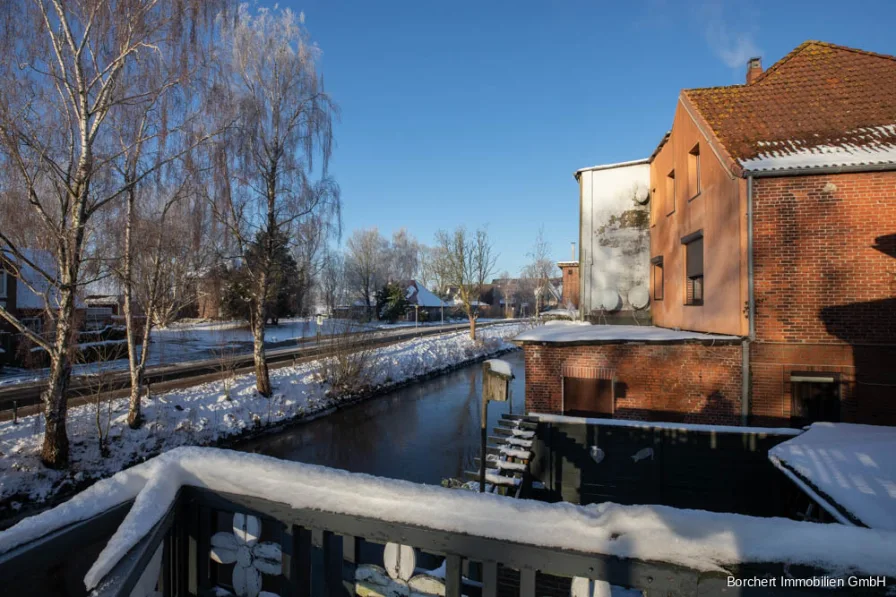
x=421 y=433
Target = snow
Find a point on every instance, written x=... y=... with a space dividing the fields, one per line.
x=853 y=465
x=564 y=419
x=419 y=295
x=570 y=313
x=186 y=342
x=864 y=146
x=608 y=166
x=203 y=414
x=700 y=540
x=501 y=367
x=581 y=331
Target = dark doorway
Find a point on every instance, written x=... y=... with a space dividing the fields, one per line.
x=583 y=397
x=814 y=398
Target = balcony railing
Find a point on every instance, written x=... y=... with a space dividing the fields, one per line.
x=213 y=531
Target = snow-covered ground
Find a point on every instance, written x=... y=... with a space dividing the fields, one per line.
x=203 y=414
x=695 y=539
x=186 y=342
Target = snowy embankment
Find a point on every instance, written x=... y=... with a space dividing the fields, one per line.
x=205 y=415
x=695 y=539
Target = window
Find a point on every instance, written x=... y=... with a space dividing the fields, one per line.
x=657 y=274
x=693 y=245
x=670 y=193
x=694 y=172
x=814 y=397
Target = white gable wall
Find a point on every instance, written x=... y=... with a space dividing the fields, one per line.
x=615 y=235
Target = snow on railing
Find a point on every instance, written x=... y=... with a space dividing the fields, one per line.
x=698 y=541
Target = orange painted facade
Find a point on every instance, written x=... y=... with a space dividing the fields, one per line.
x=703 y=196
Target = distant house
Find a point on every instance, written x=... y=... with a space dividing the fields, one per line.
x=424 y=305
x=26 y=295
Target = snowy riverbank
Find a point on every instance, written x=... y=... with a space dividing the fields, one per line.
x=203 y=415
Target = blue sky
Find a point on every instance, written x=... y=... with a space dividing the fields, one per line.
x=479 y=112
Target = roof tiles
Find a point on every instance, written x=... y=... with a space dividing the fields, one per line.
x=821 y=105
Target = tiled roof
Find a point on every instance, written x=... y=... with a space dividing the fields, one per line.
x=821 y=105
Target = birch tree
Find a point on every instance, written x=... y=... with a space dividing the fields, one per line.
x=467 y=262
x=283 y=123
x=72 y=67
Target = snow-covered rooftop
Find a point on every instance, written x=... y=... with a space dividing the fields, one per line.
x=417 y=294
x=608 y=166
x=696 y=539
x=584 y=332
x=853 y=465
x=870 y=146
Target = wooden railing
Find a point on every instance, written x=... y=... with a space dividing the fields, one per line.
x=322 y=543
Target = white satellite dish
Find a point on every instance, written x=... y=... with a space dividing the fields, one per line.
x=609 y=300
x=642 y=194
x=639 y=297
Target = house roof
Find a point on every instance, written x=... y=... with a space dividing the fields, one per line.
x=417 y=294
x=821 y=105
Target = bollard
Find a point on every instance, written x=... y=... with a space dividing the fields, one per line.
x=15 y=412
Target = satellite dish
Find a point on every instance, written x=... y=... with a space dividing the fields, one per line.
x=641 y=194
x=609 y=300
x=639 y=297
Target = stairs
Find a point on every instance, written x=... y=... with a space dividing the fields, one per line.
x=508 y=454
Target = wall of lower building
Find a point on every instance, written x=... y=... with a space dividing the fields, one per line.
x=692 y=383
x=825 y=287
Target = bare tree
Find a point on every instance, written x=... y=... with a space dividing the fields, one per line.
x=365 y=264
x=467 y=261
x=332 y=280
x=431 y=272
x=72 y=68
x=509 y=289
x=284 y=121
x=404 y=254
x=539 y=270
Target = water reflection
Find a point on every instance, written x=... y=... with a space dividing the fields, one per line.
x=422 y=433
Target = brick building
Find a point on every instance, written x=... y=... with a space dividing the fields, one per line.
x=773 y=221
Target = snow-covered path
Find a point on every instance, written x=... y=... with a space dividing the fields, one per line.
x=203 y=415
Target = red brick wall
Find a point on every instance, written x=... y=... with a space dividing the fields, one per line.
x=821 y=268
x=678 y=382
x=825 y=287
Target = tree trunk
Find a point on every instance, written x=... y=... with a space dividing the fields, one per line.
x=54 y=452
x=262 y=378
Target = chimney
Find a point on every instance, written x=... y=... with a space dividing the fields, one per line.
x=754 y=69
x=573 y=251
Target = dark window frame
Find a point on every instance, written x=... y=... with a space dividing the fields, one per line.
x=812 y=386
x=656 y=265
x=694 y=156
x=694 y=270
x=670 y=197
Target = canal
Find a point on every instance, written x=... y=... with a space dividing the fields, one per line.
x=424 y=432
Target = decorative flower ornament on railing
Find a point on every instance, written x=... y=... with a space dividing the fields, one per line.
x=250 y=557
